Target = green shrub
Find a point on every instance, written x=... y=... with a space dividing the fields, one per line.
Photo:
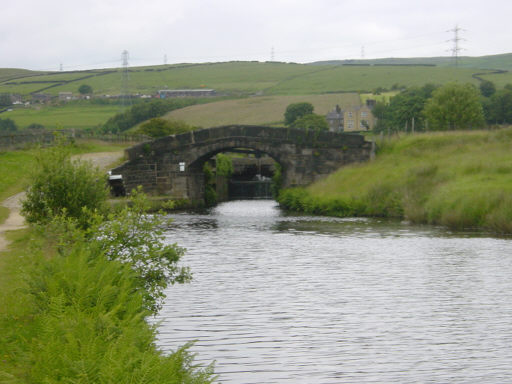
x=223 y=165
x=8 y=125
x=60 y=185
x=312 y=121
x=210 y=195
x=158 y=127
x=295 y=111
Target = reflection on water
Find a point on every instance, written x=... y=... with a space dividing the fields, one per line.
x=290 y=299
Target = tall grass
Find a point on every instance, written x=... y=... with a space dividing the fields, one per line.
x=457 y=179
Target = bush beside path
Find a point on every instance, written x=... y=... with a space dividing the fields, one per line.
x=102 y=160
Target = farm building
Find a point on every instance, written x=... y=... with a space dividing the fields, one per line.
x=167 y=93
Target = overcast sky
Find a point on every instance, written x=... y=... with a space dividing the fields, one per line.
x=42 y=35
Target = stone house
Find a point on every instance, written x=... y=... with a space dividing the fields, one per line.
x=352 y=119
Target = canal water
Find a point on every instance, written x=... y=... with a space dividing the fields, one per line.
x=281 y=298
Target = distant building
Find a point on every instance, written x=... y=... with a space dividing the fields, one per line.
x=352 y=119
x=335 y=119
x=168 y=93
x=16 y=98
x=66 y=96
x=41 y=98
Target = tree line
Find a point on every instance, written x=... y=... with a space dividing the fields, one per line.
x=448 y=107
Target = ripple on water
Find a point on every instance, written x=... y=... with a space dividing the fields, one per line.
x=298 y=299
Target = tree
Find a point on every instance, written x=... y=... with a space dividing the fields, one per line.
x=8 y=125
x=311 y=121
x=143 y=111
x=402 y=109
x=5 y=100
x=487 y=88
x=296 y=111
x=498 y=107
x=454 y=106
x=160 y=127
x=133 y=236
x=61 y=186
x=85 y=89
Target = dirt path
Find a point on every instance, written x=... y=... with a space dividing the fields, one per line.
x=103 y=160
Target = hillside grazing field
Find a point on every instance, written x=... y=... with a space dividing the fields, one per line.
x=499 y=79
x=83 y=115
x=236 y=77
x=245 y=78
x=353 y=78
x=13 y=73
x=260 y=110
x=500 y=61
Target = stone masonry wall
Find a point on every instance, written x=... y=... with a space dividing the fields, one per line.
x=304 y=156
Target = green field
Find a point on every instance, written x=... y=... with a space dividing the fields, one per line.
x=458 y=179
x=16 y=166
x=231 y=80
x=14 y=73
x=342 y=79
x=500 y=80
x=499 y=62
x=243 y=78
x=261 y=110
x=75 y=115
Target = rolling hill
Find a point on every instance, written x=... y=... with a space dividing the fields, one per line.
x=275 y=83
x=272 y=78
x=497 y=62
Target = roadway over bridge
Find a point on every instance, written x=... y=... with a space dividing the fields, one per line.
x=173 y=165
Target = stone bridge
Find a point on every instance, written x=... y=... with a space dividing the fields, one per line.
x=173 y=165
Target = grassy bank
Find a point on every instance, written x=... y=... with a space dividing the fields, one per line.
x=457 y=179
x=76 y=316
x=80 y=282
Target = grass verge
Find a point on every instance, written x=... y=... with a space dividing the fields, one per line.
x=4 y=214
x=15 y=166
x=461 y=180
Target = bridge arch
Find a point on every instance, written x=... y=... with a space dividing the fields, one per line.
x=173 y=165
x=228 y=144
